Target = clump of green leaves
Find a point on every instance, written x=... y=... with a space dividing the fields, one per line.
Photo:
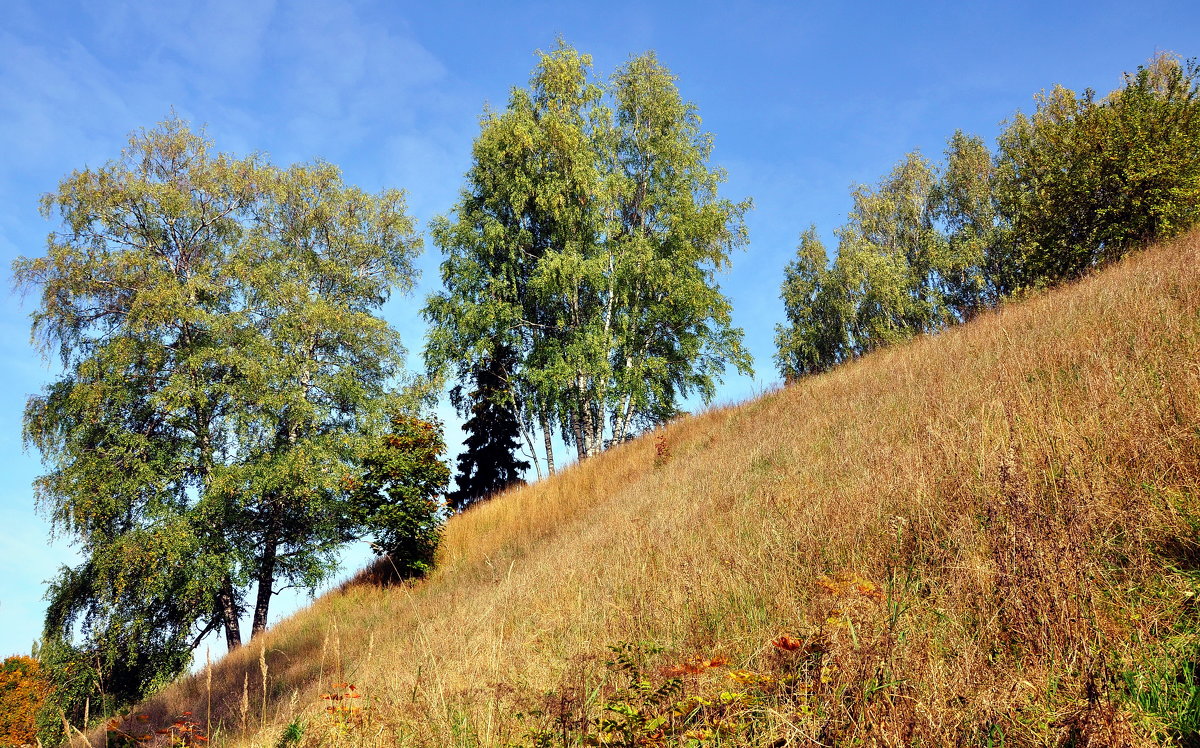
x=641 y=705
x=1167 y=687
x=641 y=710
x=291 y=735
x=1084 y=179
x=397 y=494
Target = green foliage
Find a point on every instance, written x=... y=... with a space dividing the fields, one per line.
x=488 y=465
x=637 y=713
x=964 y=206
x=814 y=339
x=886 y=284
x=223 y=366
x=888 y=257
x=586 y=242
x=396 y=495
x=641 y=709
x=689 y=705
x=1082 y=181
x=1078 y=183
x=1167 y=687
x=292 y=735
x=73 y=678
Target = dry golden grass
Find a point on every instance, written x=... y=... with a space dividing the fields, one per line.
x=978 y=536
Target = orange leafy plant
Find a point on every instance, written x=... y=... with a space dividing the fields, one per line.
x=787 y=643
x=343 y=709
x=848 y=584
x=183 y=732
x=695 y=667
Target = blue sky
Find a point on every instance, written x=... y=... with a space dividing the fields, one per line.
x=804 y=99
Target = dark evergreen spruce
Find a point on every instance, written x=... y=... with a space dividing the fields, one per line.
x=489 y=464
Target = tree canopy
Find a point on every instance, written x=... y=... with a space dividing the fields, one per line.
x=586 y=241
x=23 y=690
x=223 y=370
x=1078 y=183
x=1083 y=180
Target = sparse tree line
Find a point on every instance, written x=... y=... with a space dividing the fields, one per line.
x=1077 y=184
x=232 y=409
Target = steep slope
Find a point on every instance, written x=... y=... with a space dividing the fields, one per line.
x=987 y=537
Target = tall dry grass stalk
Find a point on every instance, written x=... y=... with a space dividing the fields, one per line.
x=972 y=538
x=208 y=689
x=262 y=668
x=245 y=712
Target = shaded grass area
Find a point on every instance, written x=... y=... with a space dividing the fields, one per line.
x=991 y=537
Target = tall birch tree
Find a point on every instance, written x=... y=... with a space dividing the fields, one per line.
x=588 y=239
x=223 y=370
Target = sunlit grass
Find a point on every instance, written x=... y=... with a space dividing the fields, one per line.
x=987 y=537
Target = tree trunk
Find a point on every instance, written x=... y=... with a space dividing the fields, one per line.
x=533 y=455
x=578 y=429
x=266 y=582
x=585 y=431
x=623 y=421
x=549 y=447
x=598 y=420
x=230 y=617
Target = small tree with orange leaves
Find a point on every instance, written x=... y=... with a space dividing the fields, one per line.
x=23 y=690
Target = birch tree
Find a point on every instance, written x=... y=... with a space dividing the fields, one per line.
x=815 y=337
x=588 y=239
x=223 y=370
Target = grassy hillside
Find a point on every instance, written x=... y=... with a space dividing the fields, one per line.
x=989 y=537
